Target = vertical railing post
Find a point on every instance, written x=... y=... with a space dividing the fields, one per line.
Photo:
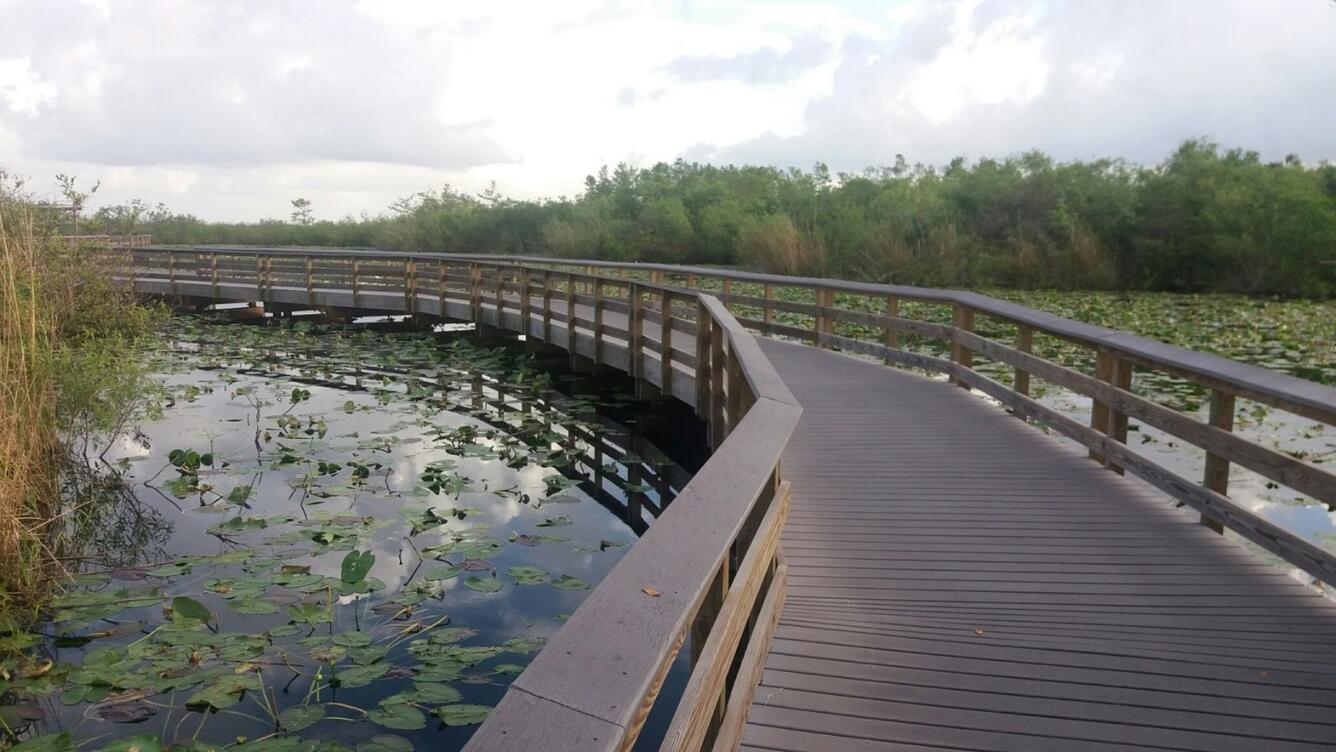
x=703 y=331
x=259 y=277
x=717 y=393
x=666 y=343
x=475 y=292
x=892 y=336
x=598 y=320
x=213 y=274
x=824 y=323
x=1117 y=373
x=570 y=313
x=500 y=297
x=526 y=304
x=441 y=267
x=357 y=273
x=1024 y=343
x=547 y=306
x=171 y=270
x=410 y=285
x=1216 y=476
x=962 y=319
x=310 y=285
x=637 y=334
x=735 y=382
x=768 y=313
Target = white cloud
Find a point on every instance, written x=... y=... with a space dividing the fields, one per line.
x=230 y=110
x=21 y=89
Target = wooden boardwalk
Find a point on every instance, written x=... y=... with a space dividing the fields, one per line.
x=876 y=560
x=959 y=580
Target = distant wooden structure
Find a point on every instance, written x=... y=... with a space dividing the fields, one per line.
x=872 y=559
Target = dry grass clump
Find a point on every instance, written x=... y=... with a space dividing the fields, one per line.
x=68 y=374
x=29 y=443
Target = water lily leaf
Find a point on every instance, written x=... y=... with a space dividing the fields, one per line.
x=356 y=565
x=189 y=608
x=432 y=693
x=398 y=715
x=567 y=582
x=352 y=639
x=507 y=668
x=526 y=575
x=360 y=676
x=309 y=613
x=299 y=717
x=560 y=520
x=369 y=654
x=238 y=495
x=442 y=573
x=126 y=712
x=462 y=715
x=524 y=644
x=252 y=606
x=483 y=584
x=385 y=743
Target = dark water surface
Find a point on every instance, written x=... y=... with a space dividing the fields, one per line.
x=343 y=534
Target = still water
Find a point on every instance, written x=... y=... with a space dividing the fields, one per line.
x=343 y=536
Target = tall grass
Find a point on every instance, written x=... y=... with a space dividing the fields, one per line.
x=69 y=378
x=29 y=443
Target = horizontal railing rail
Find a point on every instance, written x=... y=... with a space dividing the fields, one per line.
x=708 y=571
x=873 y=320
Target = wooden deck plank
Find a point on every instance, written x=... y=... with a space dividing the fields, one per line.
x=1106 y=618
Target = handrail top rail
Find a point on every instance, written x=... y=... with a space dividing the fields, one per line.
x=1315 y=400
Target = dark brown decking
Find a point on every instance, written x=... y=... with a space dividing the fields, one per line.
x=959 y=580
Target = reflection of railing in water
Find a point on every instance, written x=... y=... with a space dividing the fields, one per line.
x=627 y=504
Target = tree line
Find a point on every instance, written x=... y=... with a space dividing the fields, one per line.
x=1204 y=219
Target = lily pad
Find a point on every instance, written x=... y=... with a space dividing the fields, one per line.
x=527 y=575
x=360 y=676
x=398 y=715
x=567 y=582
x=483 y=584
x=462 y=714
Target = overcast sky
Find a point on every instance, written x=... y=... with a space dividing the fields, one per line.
x=230 y=109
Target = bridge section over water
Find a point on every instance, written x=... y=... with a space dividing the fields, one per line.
x=876 y=559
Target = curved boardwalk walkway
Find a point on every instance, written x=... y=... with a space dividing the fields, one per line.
x=959 y=580
x=956 y=579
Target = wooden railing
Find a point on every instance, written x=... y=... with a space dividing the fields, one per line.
x=115 y=242
x=874 y=320
x=708 y=570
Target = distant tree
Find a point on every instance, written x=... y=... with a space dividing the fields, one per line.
x=74 y=196
x=301 y=211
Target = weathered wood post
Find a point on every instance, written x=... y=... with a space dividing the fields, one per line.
x=1216 y=476
x=1024 y=343
x=526 y=302
x=357 y=271
x=213 y=274
x=310 y=285
x=547 y=306
x=768 y=313
x=637 y=334
x=717 y=394
x=962 y=319
x=666 y=342
x=598 y=320
x=892 y=336
x=1104 y=418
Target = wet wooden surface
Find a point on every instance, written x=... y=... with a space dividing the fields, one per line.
x=959 y=580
